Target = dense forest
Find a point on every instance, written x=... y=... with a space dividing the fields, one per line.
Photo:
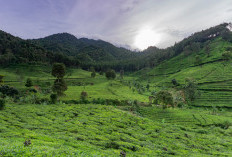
x=67 y=49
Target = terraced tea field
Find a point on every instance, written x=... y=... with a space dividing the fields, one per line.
x=99 y=130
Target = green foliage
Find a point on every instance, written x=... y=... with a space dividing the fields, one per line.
x=8 y=91
x=84 y=95
x=2 y=104
x=198 y=60
x=175 y=83
x=190 y=89
x=227 y=55
x=121 y=74
x=1 y=79
x=29 y=82
x=53 y=98
x=58 y=70
x=110 y=75
x=93 y=74
x=164 y=98
x=106 y=131
x=59 y=87
x=148 y=87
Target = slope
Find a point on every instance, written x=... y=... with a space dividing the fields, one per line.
x=213 y=73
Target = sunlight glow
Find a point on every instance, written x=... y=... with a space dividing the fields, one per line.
x=146 y=37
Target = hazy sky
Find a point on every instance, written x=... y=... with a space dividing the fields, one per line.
x=137 y=23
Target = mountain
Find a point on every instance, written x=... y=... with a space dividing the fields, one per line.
x=14 y=50
x=83 y=48
x=66 y=48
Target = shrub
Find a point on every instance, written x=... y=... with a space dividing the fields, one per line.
x=9 y=91
x=148 y=86
x=28 y=83
x=33 y=91
x=84 y=95
x=2 y=104
x=1 y=79
x=53 y=98
x=110 y=74
x=227 y=55
x=164 y=98
x=101 y=73
x=175 y=83
x=93 y=74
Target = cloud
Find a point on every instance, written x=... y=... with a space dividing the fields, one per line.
x=117 y=21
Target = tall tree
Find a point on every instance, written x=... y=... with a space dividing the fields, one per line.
x=58 y=71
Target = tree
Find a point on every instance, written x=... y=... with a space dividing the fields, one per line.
x=59 y=87
x=110 y=74
x=121 y=74
x=164 y=98
x=207 y=50
x=1 y=79
x=58 y=70
x=148 y=86
x=227 y=55
x=93 y=74
x=198 y=60
x=53 y=98
x=190 y=89
x=2 y=104
x=92 y=69
x=187 y=50
x=29 y=83
x=196 y=47
x=84 y=95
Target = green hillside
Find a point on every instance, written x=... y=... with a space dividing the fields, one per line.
x=154 y=111
x=213 y=74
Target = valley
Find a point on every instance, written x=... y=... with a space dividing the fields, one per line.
x=163 y=102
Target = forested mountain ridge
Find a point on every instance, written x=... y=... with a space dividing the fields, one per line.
x=66 y=48
x=14 y=50
x=83 y=48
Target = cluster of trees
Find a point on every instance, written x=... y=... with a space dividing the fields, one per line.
x=14 y=50
x=166 y=98
x=227 y=55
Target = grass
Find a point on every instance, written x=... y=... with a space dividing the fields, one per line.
x=98 y=130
